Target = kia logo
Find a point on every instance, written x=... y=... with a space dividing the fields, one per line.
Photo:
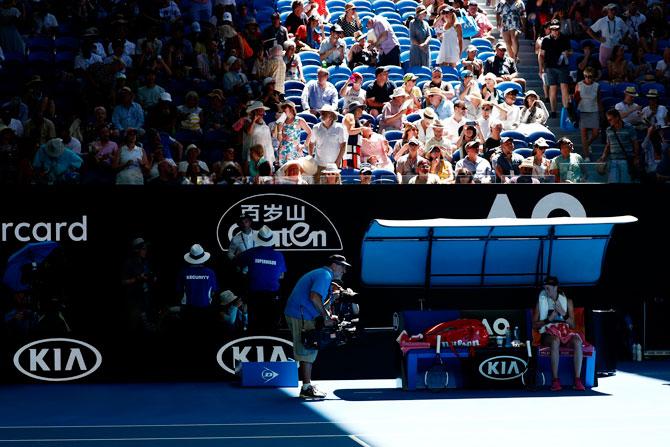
x=57 y=359
x=257 y=348
x=502 y=367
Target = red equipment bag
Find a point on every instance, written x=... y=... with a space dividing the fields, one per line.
x=461 y=333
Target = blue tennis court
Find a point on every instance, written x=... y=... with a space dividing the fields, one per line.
x=632 y=406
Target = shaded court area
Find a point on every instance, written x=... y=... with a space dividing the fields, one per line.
x=630 y=407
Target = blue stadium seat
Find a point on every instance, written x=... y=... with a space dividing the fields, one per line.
x=652 y=58
x=552 y=153
x=303 y=136
x=525 y=152
x=400 y=30
x=406 y=4
x=311 y=119
x=412 y=117
x=309 y=71
x=485 y=55
x=294 y=85
x=349 y=176
x=40 y=57
x=67 y=43
x=456 y=156
x=309 y=56
x=620 y=87
x=39 y=44
x=421 y=71
x=644 y=88
x=434 y=44
x=339 y=70
x=546 y=134
x=509 y=84
x=382 y=174
x=514 y=134
x=364 y=69
x=292 y=92
x=396 y=70
x=335 y=3
x=480 y=42
x=596 y=43
x=393 y=135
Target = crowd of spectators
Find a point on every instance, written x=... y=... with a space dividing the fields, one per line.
x=326 y=91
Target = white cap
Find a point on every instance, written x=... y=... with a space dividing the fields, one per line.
x=165 y=96
x=227 y=17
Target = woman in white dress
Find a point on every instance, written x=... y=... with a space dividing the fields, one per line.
x=452 y=38
x=130 y=161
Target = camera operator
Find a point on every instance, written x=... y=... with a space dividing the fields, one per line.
x=305 y=310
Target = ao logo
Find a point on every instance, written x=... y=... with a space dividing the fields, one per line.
x=502 y=367
x=254 y=349
x=555 y=201
x=57 y=359
x=500 y=325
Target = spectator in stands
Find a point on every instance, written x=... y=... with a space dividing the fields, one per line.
x=288 y=133
x=163 y=170
x=9 y=156
x=331 y=175
x=149 y=94
x=328 y=139
x=655 y=114
x=232 y=313
x=270 y=97
x=423 y=175
x=489 y=92
x=394 y=111
x=466 y=134
x=333 y=50
x=217 y=115
x=503 y=66
x=387 y=44
x=494 y=140
x=10 y=38
x=275 y=31
x=349 y=21
x=474 y=164
x=533 y=110
x=630 y=111
x=413 y=92
x=663 y=68
x=380 y=91
x=130 y=160
x=256 y=132
x=525 y=173
x=365 y=175
x=653 y=148
x=309 y=37
x=541 y=166
x=39 y=129
x=374 y=148
x=259 y=166
x=455 y=121
x=505 y=161
x=276 y=67
x=128 y=114
x=464 y=176
x=587 y=96
x=589 y=60
x=612 y=30
x=554 y=59
x=361 y=53
x=508 y=113
x=424 y=126
x=353 y=128
x=55 y=164
x=438 y=102
x=618 y=68
x=291 y=173
x=296 y=18
x=420 y=35
x=7 y=120
x=69 y=141
x=190 y=114
x=406 y=164
x=621 y=138
x=484 y=120
x=352 y=92
x=439 y=165
x=482 y=20
x=410 y=130
x=567 y=167
x=234 y=79
x=470 y=61
x=318 y=93
x=640 y=69
x=293 y=63
x=437 y=82
x=553 y=308
x=511 y=18
x=440 y=137
x=469 y=94
x=192 y=154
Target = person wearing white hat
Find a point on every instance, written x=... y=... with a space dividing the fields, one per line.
x=526 y=173
x=257 y=132
x=276 y=67
x=54 y=163
x=394 y=111
x=266 y=267
x=196 y=283
x=327 y=142
x=330 y=175
x=234 y=77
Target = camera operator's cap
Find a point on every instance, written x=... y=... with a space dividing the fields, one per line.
x=196 y=255
x=338 y=259
x=541 y=142
x=380 y=70
x=409 y=77
x=555 y=24
x=652 y=93
x=139 y=243
x=511 y=91
x=265 y=237
x=227 y=297
x=228 y=17
x=501 y=45
x=355 y=105
x=630 y=90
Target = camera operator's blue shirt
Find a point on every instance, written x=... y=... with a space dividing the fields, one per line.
x=299 y=305
x=266 y=265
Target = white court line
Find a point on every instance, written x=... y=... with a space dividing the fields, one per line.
x=359 y=441
x=191 y=438
x=231 y=424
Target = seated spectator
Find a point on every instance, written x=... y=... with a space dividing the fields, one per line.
x=293 y=63
x=423 y=175
x=229 y=160
x=275 y=34
x=39 y=129
x=55 y=164
x=466 y=134
x=210 y=66
x=505 y=161
x=437 y=100
x=663 y=68
x=270 y=97
x=127 y=113
x=375 y=148
x=437 y=82
x=288 y=133
x=69 y=141
x=318 y=93
x=394 y=111
x=190 y=113
x=464 y=176
x=154 y=159
x=406 y=164
x=630 y=111
x=589 y=60
x=296 y=18
x=533 y=110
x=100 y=155
x=503 y=66
x=525 y=173
x=217 y=115
x=424 y=126
x=541 y=166
x=410 y=130
x=352 y=92
x=453 y=124
x=309 y=37
x=508 y=113
x=470 y=61
x=331 y=175
x=349 y=21
x=567 y=167
x=413 y=92
x=489 y=92
x=192 y=154
x=258 y=164
x=354 y=128
x=130 y=161
x=468 y=93
x=618 y=68
x=234 y=79
x=439 y=165
x=641 y=70
x=474 y=165
x=365 y=175
x=484 y=120
x=655 y=114
x=361 y=53
x=328 y=140
x=494 y=140
x=150 y=93
x=587 y=96
x=379 y=92
x=440 y=138
x=333 y=50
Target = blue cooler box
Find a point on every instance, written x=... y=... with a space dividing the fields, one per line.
x=270 y=374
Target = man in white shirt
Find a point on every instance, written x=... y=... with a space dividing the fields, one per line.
x=327 y=142
x=663 y=66
x=612 y=30
x=455 y=121
x=630 y=112
x=243 y=240
x=655 y=114
x=508 y=113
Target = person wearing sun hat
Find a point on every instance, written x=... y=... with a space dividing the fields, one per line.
x=266 y=267
x=414 y=92
x=419 y=34
x=196 y=284
x=256 y=131
x=436 y=99
x=655 y=114
x=54 y=163
x=533 y=110
x=394 y=111
x=631 y=112
x=327 y=142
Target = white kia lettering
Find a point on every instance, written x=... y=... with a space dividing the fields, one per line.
x=502 y=367
x=44 y=359
x=245 y=349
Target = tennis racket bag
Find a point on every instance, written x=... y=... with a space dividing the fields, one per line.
x=461 y=333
